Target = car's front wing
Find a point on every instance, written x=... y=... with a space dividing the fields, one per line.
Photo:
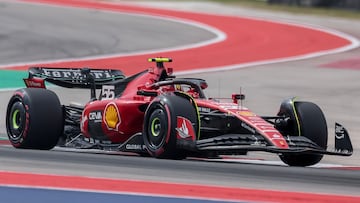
x=240 y=143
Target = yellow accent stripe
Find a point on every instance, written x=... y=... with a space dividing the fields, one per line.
x=296 y=116
x=197 y=111
x=198 y=115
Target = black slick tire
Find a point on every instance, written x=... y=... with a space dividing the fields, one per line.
x=159 y=131
x=34 y=119
x=313 y=126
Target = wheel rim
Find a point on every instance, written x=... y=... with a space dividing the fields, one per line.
x=157 y=129
x=16 y=121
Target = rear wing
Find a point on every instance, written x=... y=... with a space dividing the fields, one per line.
x=71 y=77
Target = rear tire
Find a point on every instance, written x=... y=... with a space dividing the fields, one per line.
x=312 y=126
x=34 y=119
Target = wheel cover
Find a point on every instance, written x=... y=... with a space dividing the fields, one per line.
x=157 y=129
x=16 y=121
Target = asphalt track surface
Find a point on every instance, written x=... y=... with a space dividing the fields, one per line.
x=38 y=32
x=259 y=83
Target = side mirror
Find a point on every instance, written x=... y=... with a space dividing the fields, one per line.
x=237 y=97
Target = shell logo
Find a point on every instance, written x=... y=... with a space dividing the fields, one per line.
x=245 y=113
x=112 y=116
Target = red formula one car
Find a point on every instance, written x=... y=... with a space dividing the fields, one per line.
x=155 y=113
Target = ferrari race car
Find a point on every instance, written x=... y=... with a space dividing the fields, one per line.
x=155 y=113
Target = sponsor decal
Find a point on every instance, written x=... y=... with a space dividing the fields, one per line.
x=68 y=73
x=96 y=141
x=261 y=124
x=339 y=132
x=282 y=143
x=95 y=116
x=204 y=109
x=135 y=146
x=184 y=128
x=34 y=83
x=276 y=136
x=82 y=123
x=257 y=124
x=245 y=113
x=228 y=106
x=30 y=83
x=27 y=118
x=112 y=116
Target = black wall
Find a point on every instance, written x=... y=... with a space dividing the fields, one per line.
x=344 y=4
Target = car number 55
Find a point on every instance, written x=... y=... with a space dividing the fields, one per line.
x=108 y=92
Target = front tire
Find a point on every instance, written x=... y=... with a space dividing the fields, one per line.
x=310 y=123
x=34 y=119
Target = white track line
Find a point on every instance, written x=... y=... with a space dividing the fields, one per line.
x=354 y=43
x=219 y=36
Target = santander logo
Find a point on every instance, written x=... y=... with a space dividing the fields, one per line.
x=185 y=129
